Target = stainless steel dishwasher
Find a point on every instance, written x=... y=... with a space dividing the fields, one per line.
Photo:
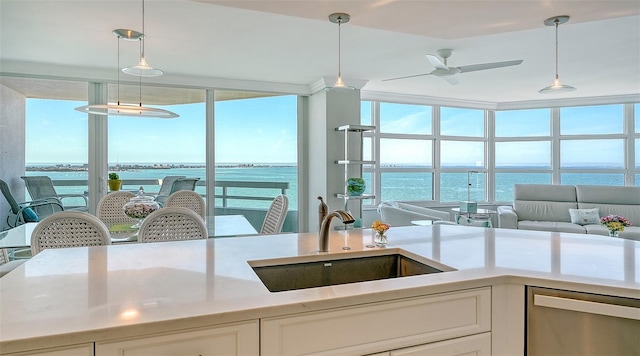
x=562 y=322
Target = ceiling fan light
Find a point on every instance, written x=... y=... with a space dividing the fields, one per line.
x=143 y=69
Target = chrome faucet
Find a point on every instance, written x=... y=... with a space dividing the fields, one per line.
x=323 y=236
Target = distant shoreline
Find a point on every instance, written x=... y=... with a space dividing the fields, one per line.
x=135 y=167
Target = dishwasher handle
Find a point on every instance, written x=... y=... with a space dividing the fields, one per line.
x=619 y=311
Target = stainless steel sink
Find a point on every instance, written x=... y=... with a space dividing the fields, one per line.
x=324 y=270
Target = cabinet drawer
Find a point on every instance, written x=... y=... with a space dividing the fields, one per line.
x=237 y=339
x=478 y=345
x=81 y=350
x=379 y=326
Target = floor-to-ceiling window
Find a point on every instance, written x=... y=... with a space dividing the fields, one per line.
x=56 y=138
x=480 y=154
x=256 y=154
x=153 y=148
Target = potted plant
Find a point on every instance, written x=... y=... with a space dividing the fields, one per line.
x=355 y=186
x=114 y=181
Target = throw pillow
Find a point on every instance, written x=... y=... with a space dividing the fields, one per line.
x=463 y=220
x=29 y=215
x=585 y=216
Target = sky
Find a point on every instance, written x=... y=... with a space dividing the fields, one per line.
x=263 y=130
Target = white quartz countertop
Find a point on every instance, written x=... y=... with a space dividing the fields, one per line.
x=103 y=293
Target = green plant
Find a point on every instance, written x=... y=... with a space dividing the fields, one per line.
x=114 y=176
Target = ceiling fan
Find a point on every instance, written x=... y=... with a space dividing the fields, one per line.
x=449 y=73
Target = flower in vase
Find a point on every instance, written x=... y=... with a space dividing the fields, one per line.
x=615 y=222
x=380 y=227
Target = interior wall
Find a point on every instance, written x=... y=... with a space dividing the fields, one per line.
x=12 y=144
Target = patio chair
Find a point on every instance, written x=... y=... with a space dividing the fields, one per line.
x=165 y=188
x=69 y=229
x=187 y=199
x=41 y=187
x=172 y=224
x=25 y=212
x=276 y=214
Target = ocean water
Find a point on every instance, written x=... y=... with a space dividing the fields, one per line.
x=407 y=186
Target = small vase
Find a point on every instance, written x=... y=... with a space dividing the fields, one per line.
x=355 y=186
x=613 y=233
x=380 y=239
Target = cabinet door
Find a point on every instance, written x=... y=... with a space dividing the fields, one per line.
x=478 y=345
x=82 y=350
x=237 y=339
x=380 y=326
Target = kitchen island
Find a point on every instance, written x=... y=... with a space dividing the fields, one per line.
x=85 y=301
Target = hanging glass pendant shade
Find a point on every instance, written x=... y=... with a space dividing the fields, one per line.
x=556 y=87
x=143 y=69
x=339 y=18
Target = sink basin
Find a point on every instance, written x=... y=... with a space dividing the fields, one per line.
x=302 y=272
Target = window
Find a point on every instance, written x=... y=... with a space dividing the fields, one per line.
x=523 y=123
x=462 y=187
x=505 y=182
x=405 y=153
x=462 y=154
x=56 y=143
x=592 y=154
x=151 y=148
x=405 y=119
x=461 y=122
x=523 y=155
x=583 y=120
x=256 y=142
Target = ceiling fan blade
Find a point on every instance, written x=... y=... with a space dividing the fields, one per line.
x=408 y=76
x=451 y=79
x=484 y=66
x=436 y=62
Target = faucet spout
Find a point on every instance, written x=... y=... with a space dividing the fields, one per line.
x=323 y=235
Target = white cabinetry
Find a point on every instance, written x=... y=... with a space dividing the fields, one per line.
x=379 y=326
x=78 y=350
x=234 y=339
x=478 y=345
x=353 y=166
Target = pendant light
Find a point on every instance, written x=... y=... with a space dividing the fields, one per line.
x=126 y=110
x=143 y=69
x=556 y=87
x=339 y=18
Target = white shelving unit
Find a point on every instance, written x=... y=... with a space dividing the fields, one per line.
x=349 y=131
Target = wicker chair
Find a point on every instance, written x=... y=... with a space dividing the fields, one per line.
x=7 y=266
x=172 y=224
x=110 y=208
x=69 y=229
x=187 y=199
x=276 y=214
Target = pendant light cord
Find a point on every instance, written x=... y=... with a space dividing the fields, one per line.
x=143 y=33
x=557 y=21
x=339 y=46
x=118 y=69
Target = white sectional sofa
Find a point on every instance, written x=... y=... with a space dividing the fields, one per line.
x=401 y=214
x=546 y=207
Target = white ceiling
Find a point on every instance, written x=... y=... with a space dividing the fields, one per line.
x=288 y=46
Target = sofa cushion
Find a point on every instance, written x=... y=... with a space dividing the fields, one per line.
x=544 y=202
x=584 y=216
x=614 y=200
x=556 y=226
x=630 y=232
x=543 y=210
